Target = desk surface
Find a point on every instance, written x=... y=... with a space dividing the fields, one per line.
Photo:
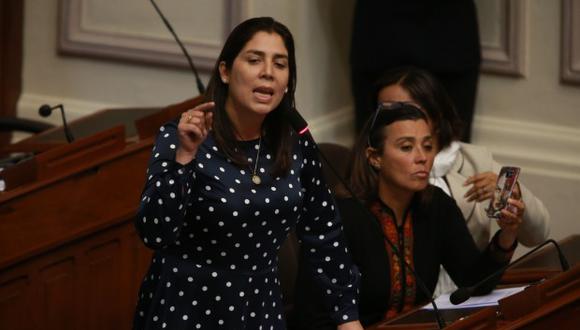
x=98 y=122
x=545 y=259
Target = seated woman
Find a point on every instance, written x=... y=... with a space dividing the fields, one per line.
x=394 y=206
x=466 y=172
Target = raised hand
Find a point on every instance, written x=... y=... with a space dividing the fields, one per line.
x=192 y=130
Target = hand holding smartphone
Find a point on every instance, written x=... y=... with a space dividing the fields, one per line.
x=506 y=181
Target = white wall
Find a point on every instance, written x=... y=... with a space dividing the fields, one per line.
x=532 y=122
x=85 y=85
x=321 y=29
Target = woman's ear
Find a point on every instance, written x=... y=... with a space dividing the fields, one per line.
x=373 y=158
x=224 y=76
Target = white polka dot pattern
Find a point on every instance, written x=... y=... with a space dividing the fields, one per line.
x=216 y=236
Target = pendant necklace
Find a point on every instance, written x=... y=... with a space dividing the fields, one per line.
x=255 y=178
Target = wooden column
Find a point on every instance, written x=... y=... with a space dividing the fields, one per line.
x=11 y=26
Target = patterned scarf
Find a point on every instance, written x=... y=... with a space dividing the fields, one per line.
x=403 y=286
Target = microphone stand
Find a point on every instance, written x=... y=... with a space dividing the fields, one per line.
x=200 y=87
x=45 y=110
x=462 y=294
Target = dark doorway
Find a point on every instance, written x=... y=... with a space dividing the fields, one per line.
x=11 y=26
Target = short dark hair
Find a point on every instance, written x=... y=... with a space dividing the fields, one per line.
x=276 y=129
x=362 y=178
x=430 y=95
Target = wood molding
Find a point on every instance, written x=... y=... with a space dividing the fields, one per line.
x=541 y=149
x=509 y=58
x=570 y=61
x=78 y=38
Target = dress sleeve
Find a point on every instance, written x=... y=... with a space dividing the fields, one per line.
x=164 y=200
x=464 y=262
x=323 y=244
x=535 y=227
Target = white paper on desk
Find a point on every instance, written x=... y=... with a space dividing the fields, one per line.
x=490 y=299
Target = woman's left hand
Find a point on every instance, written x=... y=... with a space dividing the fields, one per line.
x=483 y=185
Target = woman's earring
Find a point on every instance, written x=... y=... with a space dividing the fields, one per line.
x=286 y=90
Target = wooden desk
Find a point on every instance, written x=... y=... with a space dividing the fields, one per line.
x=424 y=319
x=69 y=254
x=555 y=301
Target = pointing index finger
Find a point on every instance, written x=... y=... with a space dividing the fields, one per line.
x=205 y=107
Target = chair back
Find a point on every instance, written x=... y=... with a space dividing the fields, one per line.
x=334 y=156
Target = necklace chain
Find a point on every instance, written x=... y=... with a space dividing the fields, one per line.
x=255 y=177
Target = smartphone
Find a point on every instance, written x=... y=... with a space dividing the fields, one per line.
x=506 y=181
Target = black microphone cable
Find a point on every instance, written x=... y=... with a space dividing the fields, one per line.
x=462 y=294
x=301 y=127
x=200 y=86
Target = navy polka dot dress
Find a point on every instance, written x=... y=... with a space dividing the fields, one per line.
x=216 y=236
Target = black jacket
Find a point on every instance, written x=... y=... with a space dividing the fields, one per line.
x=441 y=237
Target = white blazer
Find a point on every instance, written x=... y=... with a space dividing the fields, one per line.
x=473 y=159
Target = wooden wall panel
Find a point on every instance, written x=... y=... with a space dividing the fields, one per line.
x=14 y=296
x=89 y=284
x=103 y=268
x=87 y=28
x=504 y=45
x=69 y=254
x=57 y=286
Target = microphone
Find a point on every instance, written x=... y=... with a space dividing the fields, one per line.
x=300 y=126
x=200 y=87
x=298 y=123
x=462 y=294
x=45 y=110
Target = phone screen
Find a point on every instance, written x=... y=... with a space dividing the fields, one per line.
x=506 y=181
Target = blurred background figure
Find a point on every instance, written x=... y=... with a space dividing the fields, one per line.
x=439 y=36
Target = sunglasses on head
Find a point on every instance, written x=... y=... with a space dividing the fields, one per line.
x=384 y=106
x=388 y=106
